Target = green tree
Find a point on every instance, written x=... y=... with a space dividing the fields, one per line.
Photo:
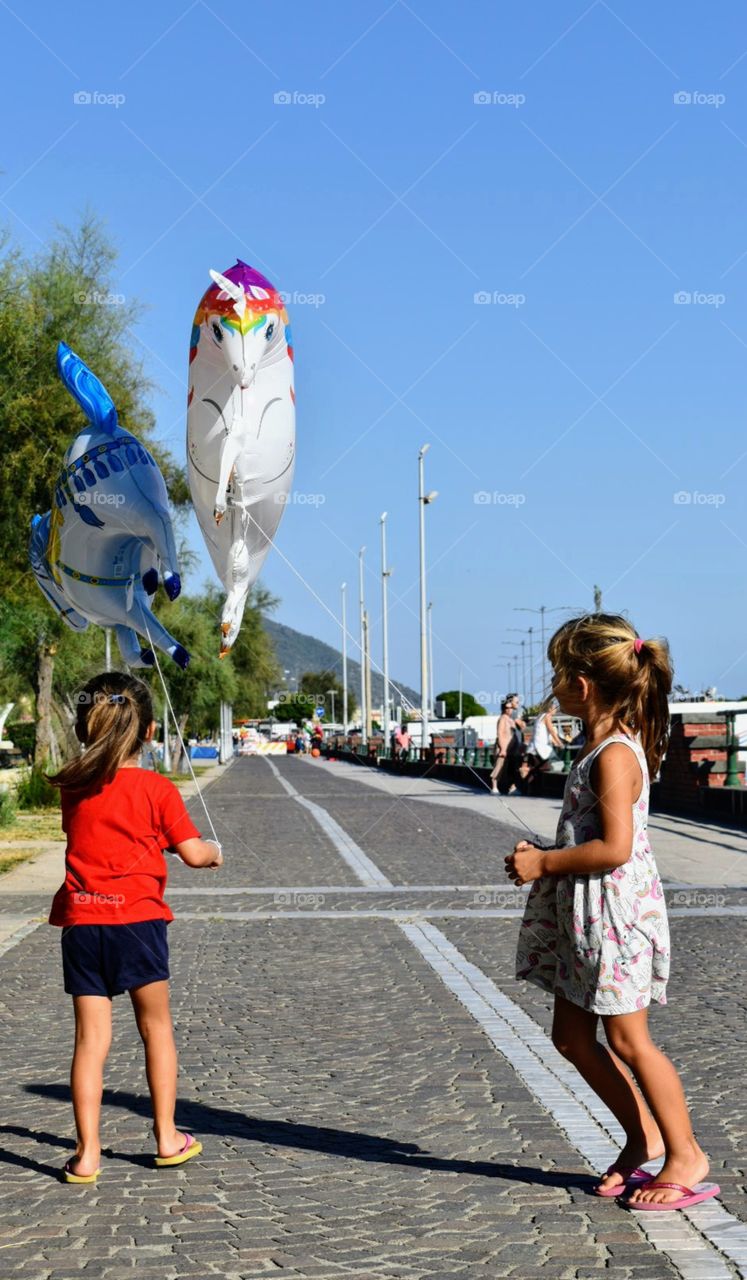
x=66 y=292
x=252 y=657
x=314 y=691
x=470 y=705
x=316 y=685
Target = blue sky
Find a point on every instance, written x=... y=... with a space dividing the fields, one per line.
x=566 y=413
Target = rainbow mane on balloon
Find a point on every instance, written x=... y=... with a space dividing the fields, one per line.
x=262 y=298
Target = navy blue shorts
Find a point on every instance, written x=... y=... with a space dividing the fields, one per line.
x=107 y=959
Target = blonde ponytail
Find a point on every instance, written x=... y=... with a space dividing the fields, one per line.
x=114 y=713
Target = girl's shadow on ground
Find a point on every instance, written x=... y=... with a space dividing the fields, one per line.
x=344 y=1143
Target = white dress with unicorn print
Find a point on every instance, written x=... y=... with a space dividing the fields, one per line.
x=599 y=940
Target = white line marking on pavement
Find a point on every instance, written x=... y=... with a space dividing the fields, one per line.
x=359 y=862
x=483 y=893
x=18 y=935
x=577 y=1110
x=311 y=912
x=500 y=889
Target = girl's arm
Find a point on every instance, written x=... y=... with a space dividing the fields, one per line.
x=617 y=783
x=199 y=853
x=553 y=731
x=504 y=734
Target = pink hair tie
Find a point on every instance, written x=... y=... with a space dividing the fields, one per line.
x=638 y=644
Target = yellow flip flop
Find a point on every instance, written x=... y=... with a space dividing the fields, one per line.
x=191 y=1148
x=83 y=1178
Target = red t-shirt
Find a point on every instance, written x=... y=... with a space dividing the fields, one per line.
x=115 y=871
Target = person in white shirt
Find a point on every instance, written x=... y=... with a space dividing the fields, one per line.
x=545 y=736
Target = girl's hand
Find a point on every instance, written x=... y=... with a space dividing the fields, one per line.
x=218 y=861
x=526 y=863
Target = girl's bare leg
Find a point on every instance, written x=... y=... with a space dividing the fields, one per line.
x=685 y=1162
x=574 y=1034
x=93 y=1034
x=153 y=1017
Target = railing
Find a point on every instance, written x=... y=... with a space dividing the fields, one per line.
x=732 y=750
x=445 y=754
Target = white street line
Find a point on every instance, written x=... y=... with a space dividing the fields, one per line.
x=359 y=862
x=358 y=888
x=310 y=912
x=482 y=894
x=18 y=935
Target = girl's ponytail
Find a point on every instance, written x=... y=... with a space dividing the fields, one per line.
x=114 y=714
x=649 y=699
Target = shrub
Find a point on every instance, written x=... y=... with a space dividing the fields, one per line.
x=36 y=792
x=7 y=809
x=23 y=734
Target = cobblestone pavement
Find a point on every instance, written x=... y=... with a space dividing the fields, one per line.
x=376 y=1094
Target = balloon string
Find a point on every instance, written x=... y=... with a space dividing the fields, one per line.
x=539 y=841
x=179 y=733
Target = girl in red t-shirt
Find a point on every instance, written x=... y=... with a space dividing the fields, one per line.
x=119 y=819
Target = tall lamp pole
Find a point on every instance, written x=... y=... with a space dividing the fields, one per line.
x=423 y=500
x=344 y=664
x=430 y=655
x=528 y=685
x=362 y=602
x=385 y=572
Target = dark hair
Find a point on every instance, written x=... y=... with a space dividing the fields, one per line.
x=113 y=715
x=633 y=676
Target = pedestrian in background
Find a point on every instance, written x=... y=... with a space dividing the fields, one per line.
x=507 y=752
x=402 y=739
x=545 y=739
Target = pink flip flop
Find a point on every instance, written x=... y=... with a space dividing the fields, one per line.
x=690 y=1196
x=191 y=1148
x=632 y=1178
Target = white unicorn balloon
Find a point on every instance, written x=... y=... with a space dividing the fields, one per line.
x=96 y=555
x=240 y=428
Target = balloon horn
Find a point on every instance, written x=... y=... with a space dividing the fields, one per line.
x=233 y=290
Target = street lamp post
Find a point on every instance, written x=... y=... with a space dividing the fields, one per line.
x=528 y=690
x=423 y=500
x=331 y=693
x=513 y=670
x=385 y=572
x=362 y=603
x=344 y=664
x=430 y=655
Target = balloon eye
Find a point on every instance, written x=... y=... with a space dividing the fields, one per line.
x=269 y=331
x=217 y=332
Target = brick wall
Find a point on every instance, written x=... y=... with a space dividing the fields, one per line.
x=696 y=760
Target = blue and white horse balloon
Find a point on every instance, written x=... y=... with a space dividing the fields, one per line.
x=98 y=553
x=241 y=428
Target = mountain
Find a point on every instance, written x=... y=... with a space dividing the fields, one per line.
x=297 y=653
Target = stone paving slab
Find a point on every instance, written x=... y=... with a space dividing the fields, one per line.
x=355 y=1120
x=686 y=850
x=703 y=1028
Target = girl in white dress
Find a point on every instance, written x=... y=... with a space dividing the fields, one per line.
x=595 y=930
